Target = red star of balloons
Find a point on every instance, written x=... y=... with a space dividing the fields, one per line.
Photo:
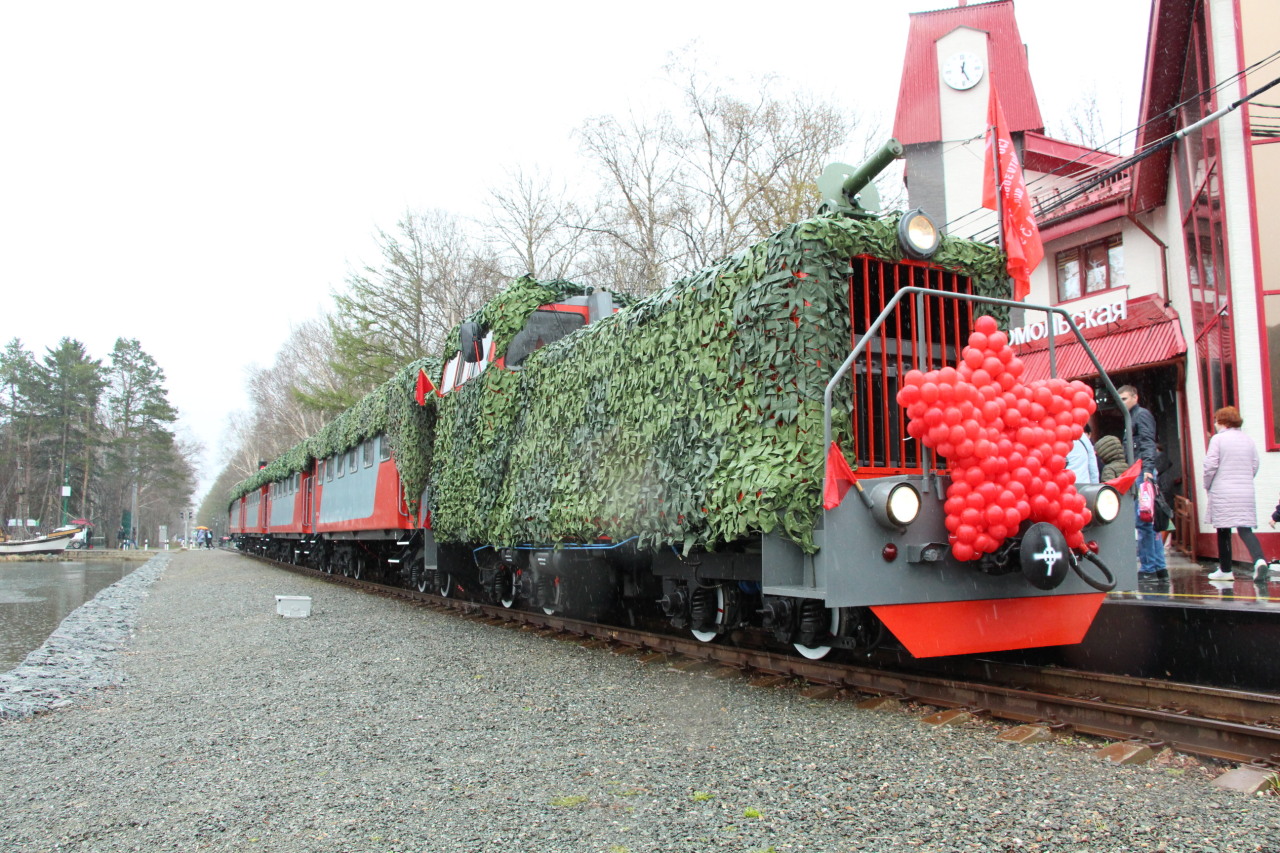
x=1006 y=443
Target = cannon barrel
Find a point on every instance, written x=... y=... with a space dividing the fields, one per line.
x=867 y=172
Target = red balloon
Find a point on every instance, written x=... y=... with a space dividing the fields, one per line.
x=986 y=324
x=929 y=393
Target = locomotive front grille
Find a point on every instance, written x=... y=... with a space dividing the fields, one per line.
x=880 y=443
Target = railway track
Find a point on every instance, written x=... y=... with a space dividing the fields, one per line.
x=1209 y=722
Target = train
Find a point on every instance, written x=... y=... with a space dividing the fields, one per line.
x=825 y=439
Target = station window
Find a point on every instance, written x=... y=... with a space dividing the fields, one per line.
x=384 y=448
x=328 y=470
x=352 y=464
x=1091 y=268
x=367 y=449
x=342 y=465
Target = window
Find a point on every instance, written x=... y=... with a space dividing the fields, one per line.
x=328 y=470
x=367 y=449
x=1091 y=268
x=341 y=460
x=384 y=448
x=352 y=463
x=542 y=328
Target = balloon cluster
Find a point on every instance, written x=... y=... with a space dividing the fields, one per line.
x=1006 y=443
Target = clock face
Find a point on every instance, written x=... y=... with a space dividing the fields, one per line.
x=962 y=71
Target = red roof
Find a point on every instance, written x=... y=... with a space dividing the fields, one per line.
x=919 y=117
x=1150 y=334
x=1167 y=41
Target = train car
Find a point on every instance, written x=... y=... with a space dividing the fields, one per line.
x=824 y=437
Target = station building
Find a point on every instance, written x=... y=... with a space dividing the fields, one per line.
x=1169 y=264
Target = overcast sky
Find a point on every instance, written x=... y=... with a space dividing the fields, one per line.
x=202 y=176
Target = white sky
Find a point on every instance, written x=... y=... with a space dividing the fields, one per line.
x=202 y=176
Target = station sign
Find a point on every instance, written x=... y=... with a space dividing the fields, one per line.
x=1086 y=318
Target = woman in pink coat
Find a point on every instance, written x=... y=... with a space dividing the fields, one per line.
x=1229 y=469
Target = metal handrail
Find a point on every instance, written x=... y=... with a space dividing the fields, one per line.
x=926 y=455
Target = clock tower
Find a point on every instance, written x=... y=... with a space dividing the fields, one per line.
x=953 y=57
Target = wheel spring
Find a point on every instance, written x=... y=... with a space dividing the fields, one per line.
x=702 y=609
x=813 y=621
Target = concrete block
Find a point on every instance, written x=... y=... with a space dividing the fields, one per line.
x=1127 y=752
x=949 y=717
x=1026 y=734
x=1248 y=780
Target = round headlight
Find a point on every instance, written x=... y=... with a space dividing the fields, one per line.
x=903 y=505
x=917 y=235
x=1106 y=505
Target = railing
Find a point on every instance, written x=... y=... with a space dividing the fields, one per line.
x=876 y=332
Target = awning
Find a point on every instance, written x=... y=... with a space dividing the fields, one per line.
x=1150 y=335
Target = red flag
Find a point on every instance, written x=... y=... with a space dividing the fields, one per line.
x=1124 y=482
x=839 y=478
x=424 y=388
x=1021 y=235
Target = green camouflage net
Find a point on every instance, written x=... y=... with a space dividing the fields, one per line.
x=691 y=418
x=390 y=409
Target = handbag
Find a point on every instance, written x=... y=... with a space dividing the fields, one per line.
x=1147 y=501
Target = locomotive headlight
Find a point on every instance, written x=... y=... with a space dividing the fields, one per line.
x=895 y=505
x=917 y=235
x=1103 y=501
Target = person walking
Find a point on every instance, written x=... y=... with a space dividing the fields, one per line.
x=1150 y=547
x=1230 y=465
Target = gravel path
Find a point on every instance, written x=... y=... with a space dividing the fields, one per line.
x=377 y=726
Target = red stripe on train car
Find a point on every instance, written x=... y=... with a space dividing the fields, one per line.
x=990 y=625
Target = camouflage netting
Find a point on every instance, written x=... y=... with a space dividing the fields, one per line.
x=693 y=417
x=389 y=409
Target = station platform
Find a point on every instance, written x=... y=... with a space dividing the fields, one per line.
x=1186 y=628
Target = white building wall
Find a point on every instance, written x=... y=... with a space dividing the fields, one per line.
x=963 y=117
x=1244 y=285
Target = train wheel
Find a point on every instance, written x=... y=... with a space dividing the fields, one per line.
x=503 y=588
x=548 y=587
x=357 y=566
x=810 y=621
x=707 y=608
x=444 y=584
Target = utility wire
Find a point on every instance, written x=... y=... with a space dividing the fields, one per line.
x=1151 y=149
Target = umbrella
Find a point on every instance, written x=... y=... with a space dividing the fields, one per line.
x=202 y=527
x=81 y=521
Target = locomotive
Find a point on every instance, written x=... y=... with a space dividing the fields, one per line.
x=824 y=437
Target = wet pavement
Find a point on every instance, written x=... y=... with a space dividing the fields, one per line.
x=35 y=596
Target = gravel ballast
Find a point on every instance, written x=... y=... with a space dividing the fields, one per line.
x=375 y=725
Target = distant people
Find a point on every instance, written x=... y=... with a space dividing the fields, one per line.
x=1082 y=459
x=1150 y=546
x=1111 y=461
x=1230 y=465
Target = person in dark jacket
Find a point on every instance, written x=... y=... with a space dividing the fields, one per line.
x=1150 y=547
x=1230 y=465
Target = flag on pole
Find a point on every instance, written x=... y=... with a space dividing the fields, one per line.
x=839 y=478
x=424 y=387
x=1021 y=235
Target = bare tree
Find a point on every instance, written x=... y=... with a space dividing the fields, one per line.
x=533 y=226
x=681 y=193
x=640 y=193
x=433 y=274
